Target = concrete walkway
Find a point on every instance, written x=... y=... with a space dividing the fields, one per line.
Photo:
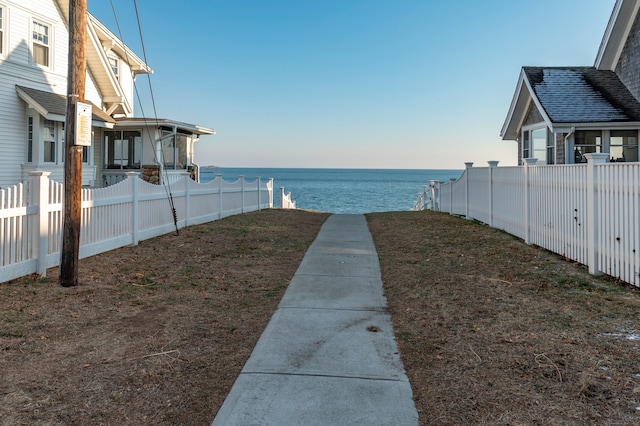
x=328 y=355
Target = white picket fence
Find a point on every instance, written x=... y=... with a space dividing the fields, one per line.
x=587 y=212
x=285 y=200
x=115 y=216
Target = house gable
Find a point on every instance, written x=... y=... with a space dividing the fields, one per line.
x=533 y=116
x=616 y=34
x=628 y=66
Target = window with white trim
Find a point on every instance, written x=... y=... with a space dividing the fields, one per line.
x=29 y=139
x=2 y=25
x=623 y=145
x=115 y=66
x=123 y=149
x=586 y=142
x=536 y=144
x=175 y=150
x=40 y=44
x=49 y=137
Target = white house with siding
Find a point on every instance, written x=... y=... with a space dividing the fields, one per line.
x=34 y=39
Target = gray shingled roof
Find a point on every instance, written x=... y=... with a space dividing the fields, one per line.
x=57 y=104
x=582 y=95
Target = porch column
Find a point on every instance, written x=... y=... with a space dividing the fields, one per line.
x=593 y=160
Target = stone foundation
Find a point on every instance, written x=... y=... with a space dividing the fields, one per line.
x=151 y=174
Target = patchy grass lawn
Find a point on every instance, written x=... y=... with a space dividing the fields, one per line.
x=154 y=334
x=492 y=331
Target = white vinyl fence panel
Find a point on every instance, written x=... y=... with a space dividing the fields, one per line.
x=589 y=213
x=132 y=210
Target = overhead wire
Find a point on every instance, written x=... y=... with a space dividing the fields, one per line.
x=167 y=187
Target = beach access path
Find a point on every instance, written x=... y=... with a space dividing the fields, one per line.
x=328 y=355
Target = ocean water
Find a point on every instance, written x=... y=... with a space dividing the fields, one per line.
x=341 y=190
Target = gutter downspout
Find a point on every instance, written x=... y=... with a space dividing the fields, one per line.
x=566 y=145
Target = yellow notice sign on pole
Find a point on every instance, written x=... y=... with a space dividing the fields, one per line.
x=83 y=124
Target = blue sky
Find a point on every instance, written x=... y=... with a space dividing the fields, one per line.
x=350 y=83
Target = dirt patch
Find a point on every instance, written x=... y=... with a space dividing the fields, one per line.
x=154 y=334
x=492 y=331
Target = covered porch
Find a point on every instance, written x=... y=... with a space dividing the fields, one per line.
x=161 y=150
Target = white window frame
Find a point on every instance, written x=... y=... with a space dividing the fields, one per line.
x=31 y=138
x=114 y=63
x=3 y=29
x=47 y=41
x=624 y=147
x=527 y=139
x=51 y=140
x=133 y=147
x=578 y=151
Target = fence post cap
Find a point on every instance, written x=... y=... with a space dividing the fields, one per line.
x=493 y=163
x=530 y=161
x=468 y=165
x=39 y=173
x=597 y=157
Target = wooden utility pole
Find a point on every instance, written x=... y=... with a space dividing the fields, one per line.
x=73 y=152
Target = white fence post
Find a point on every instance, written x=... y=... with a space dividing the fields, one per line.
x=40 y=186
x=219 y=178
x=528 y=162
x=242 y=192
x=492 y=165
x=187 y=201
x=467 y=166
x=282 y=197
x=258 y=184
x=135 y=206
x=592 y=210
x=435 y=194
x=270 y=192
x=451 y=180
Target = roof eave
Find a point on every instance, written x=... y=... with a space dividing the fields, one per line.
x=616 y=33
x=522 y=98
x=152 y=122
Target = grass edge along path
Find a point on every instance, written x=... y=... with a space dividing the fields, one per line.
x=493 y=331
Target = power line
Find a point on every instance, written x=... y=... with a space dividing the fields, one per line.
x=167 y=187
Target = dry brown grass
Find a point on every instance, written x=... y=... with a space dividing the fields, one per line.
x=154 y=334
x=491 y=331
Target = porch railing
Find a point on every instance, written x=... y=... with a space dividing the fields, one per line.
x=589 y=213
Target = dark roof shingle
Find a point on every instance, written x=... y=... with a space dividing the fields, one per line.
x=57 y=104
x=582 y=95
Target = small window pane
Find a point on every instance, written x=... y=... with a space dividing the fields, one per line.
x=539 y=144
x=624 y=145
x=586 y=142
x=40 y=44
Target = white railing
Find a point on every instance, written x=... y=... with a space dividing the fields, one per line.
x=285 y=200
x=116 y=216
x=589 y=213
